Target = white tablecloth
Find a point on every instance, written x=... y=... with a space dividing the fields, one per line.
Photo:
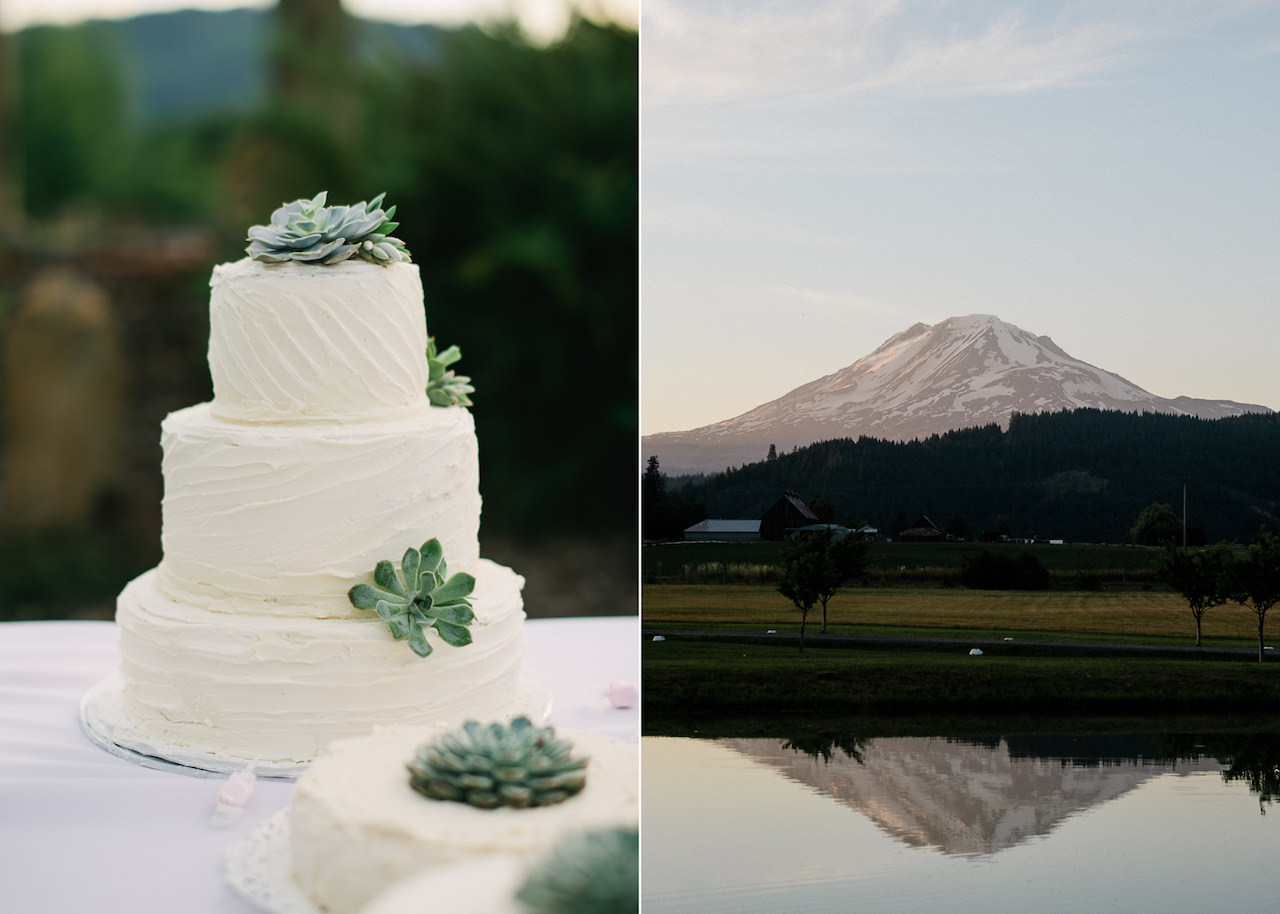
x=84 y=832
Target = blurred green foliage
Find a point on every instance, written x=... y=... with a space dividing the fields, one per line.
x=60 y=572
x=514 y=169
x=513 y=166
x=74 y=123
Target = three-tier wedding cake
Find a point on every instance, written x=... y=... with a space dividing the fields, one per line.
x=320 y=459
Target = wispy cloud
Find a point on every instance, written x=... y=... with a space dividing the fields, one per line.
x=678 y=217
x=699 y=52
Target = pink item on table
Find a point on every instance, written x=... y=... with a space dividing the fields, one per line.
x=624 y=694
x=232 y=798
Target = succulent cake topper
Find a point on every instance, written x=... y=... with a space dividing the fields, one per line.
x=307 y=231
x=444 y=388
x=519 y=764
x=425 y=598
x=589 y=872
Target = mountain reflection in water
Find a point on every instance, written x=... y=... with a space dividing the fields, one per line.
x=823 y=823
x=971 y=797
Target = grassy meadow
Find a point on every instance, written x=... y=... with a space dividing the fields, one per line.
x=1098 y=594
x=1133 y=616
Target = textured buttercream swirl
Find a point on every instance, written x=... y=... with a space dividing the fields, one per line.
x=236 y=678
x=298 y=514
x=296 y=343
x=318 y=457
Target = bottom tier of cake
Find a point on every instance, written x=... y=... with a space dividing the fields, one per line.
x=254 y=685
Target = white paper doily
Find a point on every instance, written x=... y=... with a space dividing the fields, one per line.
x=104 y=721
x=258 y=867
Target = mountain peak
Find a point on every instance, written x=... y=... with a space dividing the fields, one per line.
x=978 y=321
x=929 y=379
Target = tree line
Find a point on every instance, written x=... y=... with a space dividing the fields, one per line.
x=1081 y=475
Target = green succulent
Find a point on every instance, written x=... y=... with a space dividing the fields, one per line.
x=519 y=764
x=444 y=388
x=307 y=231
x=589 y=872
x=423 y=596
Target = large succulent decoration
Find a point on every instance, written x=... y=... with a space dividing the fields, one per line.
x=519 y=765
x=589 y=872
x=423 y=596
x=444 y=388
x=307 y=231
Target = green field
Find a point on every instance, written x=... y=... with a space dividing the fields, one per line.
x=684 y=679
x=1137 y=616
x=689 y=680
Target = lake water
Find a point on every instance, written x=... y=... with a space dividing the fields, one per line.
x=1114 y=824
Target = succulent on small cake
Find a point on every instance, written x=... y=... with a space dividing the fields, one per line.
x=519 y=764
x=444 y=388
x=590 y=872
x=423 y=596
x=307 y=231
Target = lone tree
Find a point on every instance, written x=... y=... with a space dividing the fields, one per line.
x=801 y=571
x=1253 y=580
x=1157 y=524
x=849 y=557
x=818 y=565
x=1201 y=577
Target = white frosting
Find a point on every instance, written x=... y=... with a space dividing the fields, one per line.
x=487 y=885
x=238 y=678
x=297 y=343
x=319 y=457
x=298 y=514
x=358 y=827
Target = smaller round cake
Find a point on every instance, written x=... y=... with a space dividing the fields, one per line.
x=358 y=824
x=588 y=871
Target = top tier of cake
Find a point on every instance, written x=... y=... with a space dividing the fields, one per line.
x=297 y=343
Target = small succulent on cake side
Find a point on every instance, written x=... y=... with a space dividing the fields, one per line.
x=589 y=872
x=422 y=596
x=308 y=231
x=520 y=765
x=444 y=388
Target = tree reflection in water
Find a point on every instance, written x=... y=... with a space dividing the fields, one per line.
x=821 y=746
x=1255 y=759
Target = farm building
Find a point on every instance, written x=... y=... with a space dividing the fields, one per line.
x=787 y=514
x=721 y=529
x=922 y=531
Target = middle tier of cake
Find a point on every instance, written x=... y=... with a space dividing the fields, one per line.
x=296 y=515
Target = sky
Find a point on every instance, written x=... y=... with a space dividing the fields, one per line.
x=818 y=176
x=541 y=18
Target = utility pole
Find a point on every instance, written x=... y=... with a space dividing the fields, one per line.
x=1184 y=514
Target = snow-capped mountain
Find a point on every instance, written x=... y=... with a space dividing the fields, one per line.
x=962 y=372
